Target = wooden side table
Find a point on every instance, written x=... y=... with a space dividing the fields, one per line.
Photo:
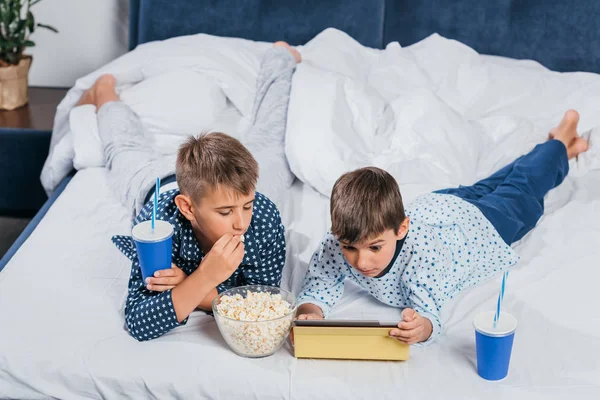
x=24 y=144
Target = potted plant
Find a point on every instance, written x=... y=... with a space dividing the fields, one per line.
x=16 y=25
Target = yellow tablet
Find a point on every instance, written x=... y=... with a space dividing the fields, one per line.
x=354 y=340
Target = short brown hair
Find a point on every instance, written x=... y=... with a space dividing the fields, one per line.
x=365 y=203
x=213 y=159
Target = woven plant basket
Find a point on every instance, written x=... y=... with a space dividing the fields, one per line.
x=13 y=84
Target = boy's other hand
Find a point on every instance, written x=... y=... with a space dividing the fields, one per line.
x=309 y=311
x=413 y=328
x=165 y=279
x=223 y=259
x=310 y=316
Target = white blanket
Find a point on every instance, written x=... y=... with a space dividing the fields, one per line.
x=435 y=114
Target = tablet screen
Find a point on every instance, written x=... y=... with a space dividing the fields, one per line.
x=346 y=323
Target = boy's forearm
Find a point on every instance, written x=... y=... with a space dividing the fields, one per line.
x=206 y=303
x=193 y=292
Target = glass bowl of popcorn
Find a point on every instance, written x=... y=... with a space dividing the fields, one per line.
x=255 y=320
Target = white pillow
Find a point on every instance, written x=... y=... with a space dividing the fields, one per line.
x=338 y=133
x=86 y=139
x=181 y=101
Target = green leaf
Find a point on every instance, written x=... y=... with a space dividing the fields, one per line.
x=30 y=21
x=6 y=17
x=21 y=27
x=11 y=15
x=14 y=12
x=14 y=31
x=53 y=29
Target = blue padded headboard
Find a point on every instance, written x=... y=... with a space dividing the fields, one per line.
x=562 y=35
x=295 y=21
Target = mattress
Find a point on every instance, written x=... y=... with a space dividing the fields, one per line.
x=62 y=330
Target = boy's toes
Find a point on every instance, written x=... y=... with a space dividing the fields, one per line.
x=566 y=131
x=296 y=54
x=577 y=146
x=107 y=79
x=569 y=122
x=580 y=145
x=292 y=50
x=105 y=84
x=88 y=97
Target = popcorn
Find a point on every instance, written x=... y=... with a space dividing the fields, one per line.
x=242 y=238
x=258 y=329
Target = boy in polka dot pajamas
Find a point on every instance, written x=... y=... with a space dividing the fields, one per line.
x=447 y=241
x=226 y=234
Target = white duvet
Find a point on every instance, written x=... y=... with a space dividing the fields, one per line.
x=435 y=114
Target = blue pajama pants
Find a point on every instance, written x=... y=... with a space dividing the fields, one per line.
x=512 y=199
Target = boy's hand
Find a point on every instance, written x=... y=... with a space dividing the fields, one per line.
x=309 y=311
x=223 y=259
x=165 y=279
x=413 y=328
x=310 y=316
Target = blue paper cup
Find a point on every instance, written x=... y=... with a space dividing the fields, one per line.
x=494 y=345
x=153 y=246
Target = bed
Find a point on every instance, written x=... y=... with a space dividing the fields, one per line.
x=62 y=286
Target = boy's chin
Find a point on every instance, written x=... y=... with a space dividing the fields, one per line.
x=371 y=273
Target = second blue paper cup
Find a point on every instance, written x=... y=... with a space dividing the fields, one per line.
x=494 y=344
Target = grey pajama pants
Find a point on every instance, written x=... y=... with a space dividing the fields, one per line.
x=134 y=163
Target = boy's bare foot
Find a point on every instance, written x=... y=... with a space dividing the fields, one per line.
x=102 y=92
x=292 y=50
x=566 y=132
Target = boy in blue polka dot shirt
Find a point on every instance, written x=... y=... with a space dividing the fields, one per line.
x=445 y=242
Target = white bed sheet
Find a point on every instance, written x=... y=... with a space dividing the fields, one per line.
x=62 y=333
